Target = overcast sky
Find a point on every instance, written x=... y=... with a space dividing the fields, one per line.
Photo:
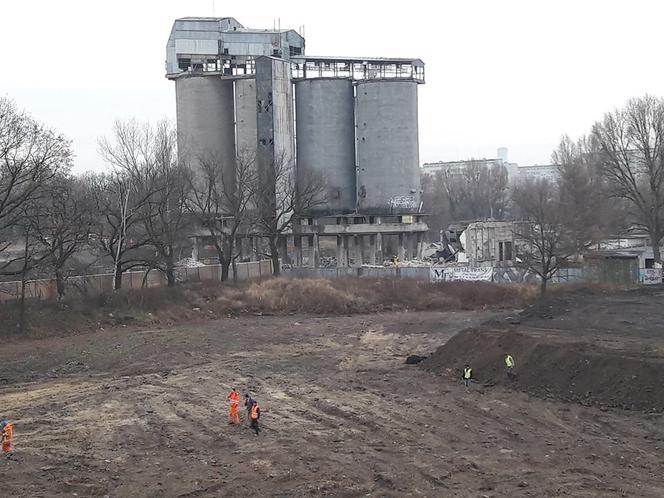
x=498 y=73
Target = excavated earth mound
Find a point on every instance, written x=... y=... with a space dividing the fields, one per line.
x=546 y=367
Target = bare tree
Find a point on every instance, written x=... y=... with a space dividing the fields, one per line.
x=486 y=190
x=478 y=191
x=147 y=155
x=436 y=203
x=544 y=239
x=116 y=231
x=582 y=193
x=61 y=225
x=221 y=204
x=30 y=156
x=163 y=216
x=29 y=260
x=281 y=198
x=630 y=142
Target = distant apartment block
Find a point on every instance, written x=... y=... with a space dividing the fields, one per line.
x=547 y=171
x=515 y=172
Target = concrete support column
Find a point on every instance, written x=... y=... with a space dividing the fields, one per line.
x=346 y=251
x=283 y=249
x=411 y=249
x=239 y=247
x=314 y=256
x=401 y=250
x=379 y=249
x=372 y=249
x=342 y=251
x=253 y=249
x=364 y=248
x=357 y=250
x=290 y=243
x=297 y=242
x=420 y=245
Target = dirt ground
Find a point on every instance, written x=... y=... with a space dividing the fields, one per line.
x=143 y=413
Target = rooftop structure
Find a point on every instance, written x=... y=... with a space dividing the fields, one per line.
x=357 y=68
x=222 y=46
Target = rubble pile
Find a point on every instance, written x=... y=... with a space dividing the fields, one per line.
x=189 y=263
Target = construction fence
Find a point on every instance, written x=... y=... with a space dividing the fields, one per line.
x=619 y=276
x=437 y=274
x=419 y=273
x=99 y=284
x=103 y=283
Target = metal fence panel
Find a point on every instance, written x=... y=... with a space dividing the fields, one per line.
x=103 y=283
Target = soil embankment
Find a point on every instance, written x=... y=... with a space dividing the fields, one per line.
x=571 y=371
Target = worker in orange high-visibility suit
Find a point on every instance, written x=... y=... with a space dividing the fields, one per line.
x=7 y=435
x=255 y=414
x=234 y=400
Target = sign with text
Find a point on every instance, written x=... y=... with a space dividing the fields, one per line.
x=461 y=274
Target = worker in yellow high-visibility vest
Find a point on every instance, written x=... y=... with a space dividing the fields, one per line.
x=509 y=366
x=467 y=375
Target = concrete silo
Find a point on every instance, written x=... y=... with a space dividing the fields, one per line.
x=245 y=119
x=388 y=179
x=325 y=130
x=205 y=120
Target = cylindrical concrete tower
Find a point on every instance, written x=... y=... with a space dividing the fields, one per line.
x=388 y=179
x=326 y=140
x=205 y=121
x=245 y=119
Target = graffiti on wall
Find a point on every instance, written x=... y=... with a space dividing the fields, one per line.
x=650 y=276
x=403 y=202
x=513 y=274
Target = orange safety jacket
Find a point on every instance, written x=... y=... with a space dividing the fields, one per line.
x=8 y=433
x=254 y=412
x=234 y=398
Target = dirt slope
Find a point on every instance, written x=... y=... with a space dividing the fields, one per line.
x=565 y=369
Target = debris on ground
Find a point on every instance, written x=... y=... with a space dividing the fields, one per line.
x=414 y=359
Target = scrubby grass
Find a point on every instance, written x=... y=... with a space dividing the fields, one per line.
x=417 y=295
x=211 y=300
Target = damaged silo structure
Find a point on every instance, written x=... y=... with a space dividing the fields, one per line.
x=346 y=123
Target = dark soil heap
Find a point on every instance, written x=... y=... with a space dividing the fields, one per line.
x=571 y=371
